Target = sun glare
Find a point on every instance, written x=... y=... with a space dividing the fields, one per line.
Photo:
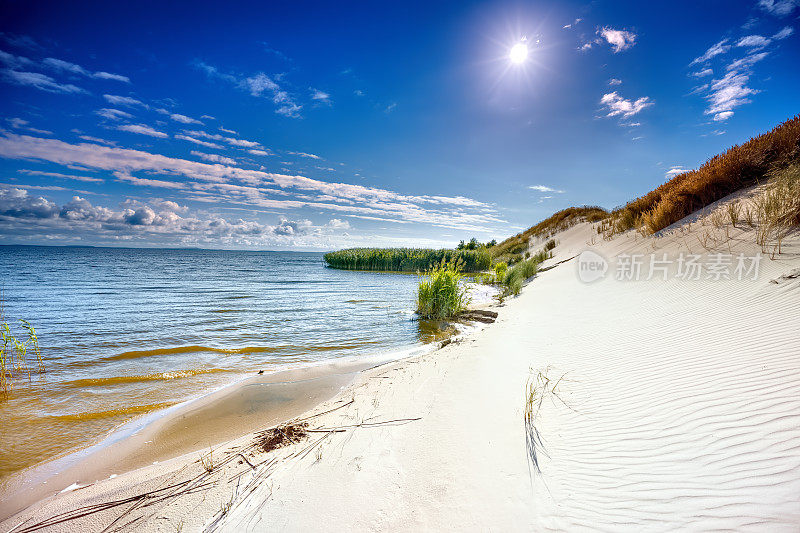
x=518 y=53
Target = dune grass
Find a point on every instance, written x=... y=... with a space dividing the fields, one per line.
x=740 y=166
x=777 y=208
x=441 y=293
x=512 y=249
x=407 y=259
x=524 y=270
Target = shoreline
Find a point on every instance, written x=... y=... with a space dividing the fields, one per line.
x=227 y=413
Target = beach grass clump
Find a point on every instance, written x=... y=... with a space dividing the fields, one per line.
x=408 y=259
x=740 y=166
x=777 y=208
x=525 y=269
x=517 y=276
x=441 y=293
x=500 y=270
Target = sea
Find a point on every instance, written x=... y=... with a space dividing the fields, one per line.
x=124 y=332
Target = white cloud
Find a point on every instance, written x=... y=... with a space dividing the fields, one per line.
x=214 y=158
x=58 y=64
x=14 y=62
x=223 y=184
x=17 y=203
x=259 y=152
x=242 y=143
x=731 y=91
x=674 y=171
x=109 y=76
x=614 y=81
x=261 y=83
x=619 y=39
x=40 y=81
x=66 y=66
x=87 y=179
x=544 y=188
x=183 y=119
x=147 y=182
x=753 y=41
x=199 y=142
x=703 y=73
x=96 y=140
x=122 y=100
x=779 y=8
x=155 y=221
x=141 y=129
x=22 y=124
x=305 y=154
x=320 y=96
x=113 y=114
x=784 y=33
x=619 y=106
x=718 y=49
x=585 y=47
x=193 y=134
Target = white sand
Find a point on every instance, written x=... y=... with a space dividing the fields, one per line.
x=679 y=409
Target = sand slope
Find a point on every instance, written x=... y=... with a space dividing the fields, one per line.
x=678 y=409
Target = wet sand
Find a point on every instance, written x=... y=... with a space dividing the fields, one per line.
x=198 y=425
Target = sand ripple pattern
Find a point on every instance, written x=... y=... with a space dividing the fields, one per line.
x=685 y=409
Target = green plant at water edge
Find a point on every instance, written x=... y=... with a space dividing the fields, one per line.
x=441 y=294
x=13 y=353
x=33 y=340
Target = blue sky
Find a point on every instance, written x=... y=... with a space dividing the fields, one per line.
x=318 y=126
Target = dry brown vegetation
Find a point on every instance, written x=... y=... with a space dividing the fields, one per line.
x=281 y=436
x=511 y=249
x=740 y=166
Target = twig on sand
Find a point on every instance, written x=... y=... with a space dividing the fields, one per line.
x=144 y=499
x=326 y=412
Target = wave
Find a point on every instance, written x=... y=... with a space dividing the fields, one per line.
x=136 y=354
x=95 y=415
x=160 y=376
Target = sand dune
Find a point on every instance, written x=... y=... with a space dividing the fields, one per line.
x=678 y=408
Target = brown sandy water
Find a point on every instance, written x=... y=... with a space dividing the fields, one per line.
x=126 y=333
x=198 y=426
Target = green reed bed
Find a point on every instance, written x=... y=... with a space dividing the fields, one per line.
x=407 y=259
x=441 y=293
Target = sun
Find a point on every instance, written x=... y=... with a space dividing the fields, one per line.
x=518 y=53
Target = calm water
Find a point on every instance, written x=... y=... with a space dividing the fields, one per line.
x=129 y=331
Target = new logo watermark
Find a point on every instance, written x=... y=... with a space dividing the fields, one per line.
x=591 y=266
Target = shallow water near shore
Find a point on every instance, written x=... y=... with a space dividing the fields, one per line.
x=126 y=332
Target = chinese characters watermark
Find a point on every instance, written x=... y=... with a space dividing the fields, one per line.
x=686 y=266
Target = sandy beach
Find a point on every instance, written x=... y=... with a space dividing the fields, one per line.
x=658 y=405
